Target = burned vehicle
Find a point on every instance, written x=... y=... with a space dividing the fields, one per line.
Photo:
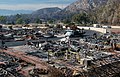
x=74 y=33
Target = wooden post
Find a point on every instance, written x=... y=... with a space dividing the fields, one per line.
x=66 y=54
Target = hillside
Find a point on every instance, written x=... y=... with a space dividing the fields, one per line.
x=101 y=11
x=78 y=7
x=98 y=11
x=74 y=8
x=110 y=13
x=84 y=5
x=45 y=13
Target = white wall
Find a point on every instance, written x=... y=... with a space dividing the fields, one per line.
x=115 y=26
x=102 y=30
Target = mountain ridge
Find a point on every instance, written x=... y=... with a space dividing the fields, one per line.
x=46 y=12
x=85 y=5
x=110 y=13
x=13 y=12
x=102 y=11
x=79 y=6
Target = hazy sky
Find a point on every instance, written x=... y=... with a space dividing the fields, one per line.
x=33 y=4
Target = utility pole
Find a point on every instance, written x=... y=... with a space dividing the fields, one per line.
x=47 y=49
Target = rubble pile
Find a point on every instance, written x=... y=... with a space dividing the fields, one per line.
x=106 y=67
x=13 y=66
x=110 y=70
x=10 y=66
x=33 y=53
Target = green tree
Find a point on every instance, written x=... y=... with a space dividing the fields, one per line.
x=51 y=21
x=66 y=21
x=71 y=24
x=19 y=21
x=2 y=19
x=38 y=21
x=18 y=16
x=81 y=18
x=93 y=18
x=27 y=21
